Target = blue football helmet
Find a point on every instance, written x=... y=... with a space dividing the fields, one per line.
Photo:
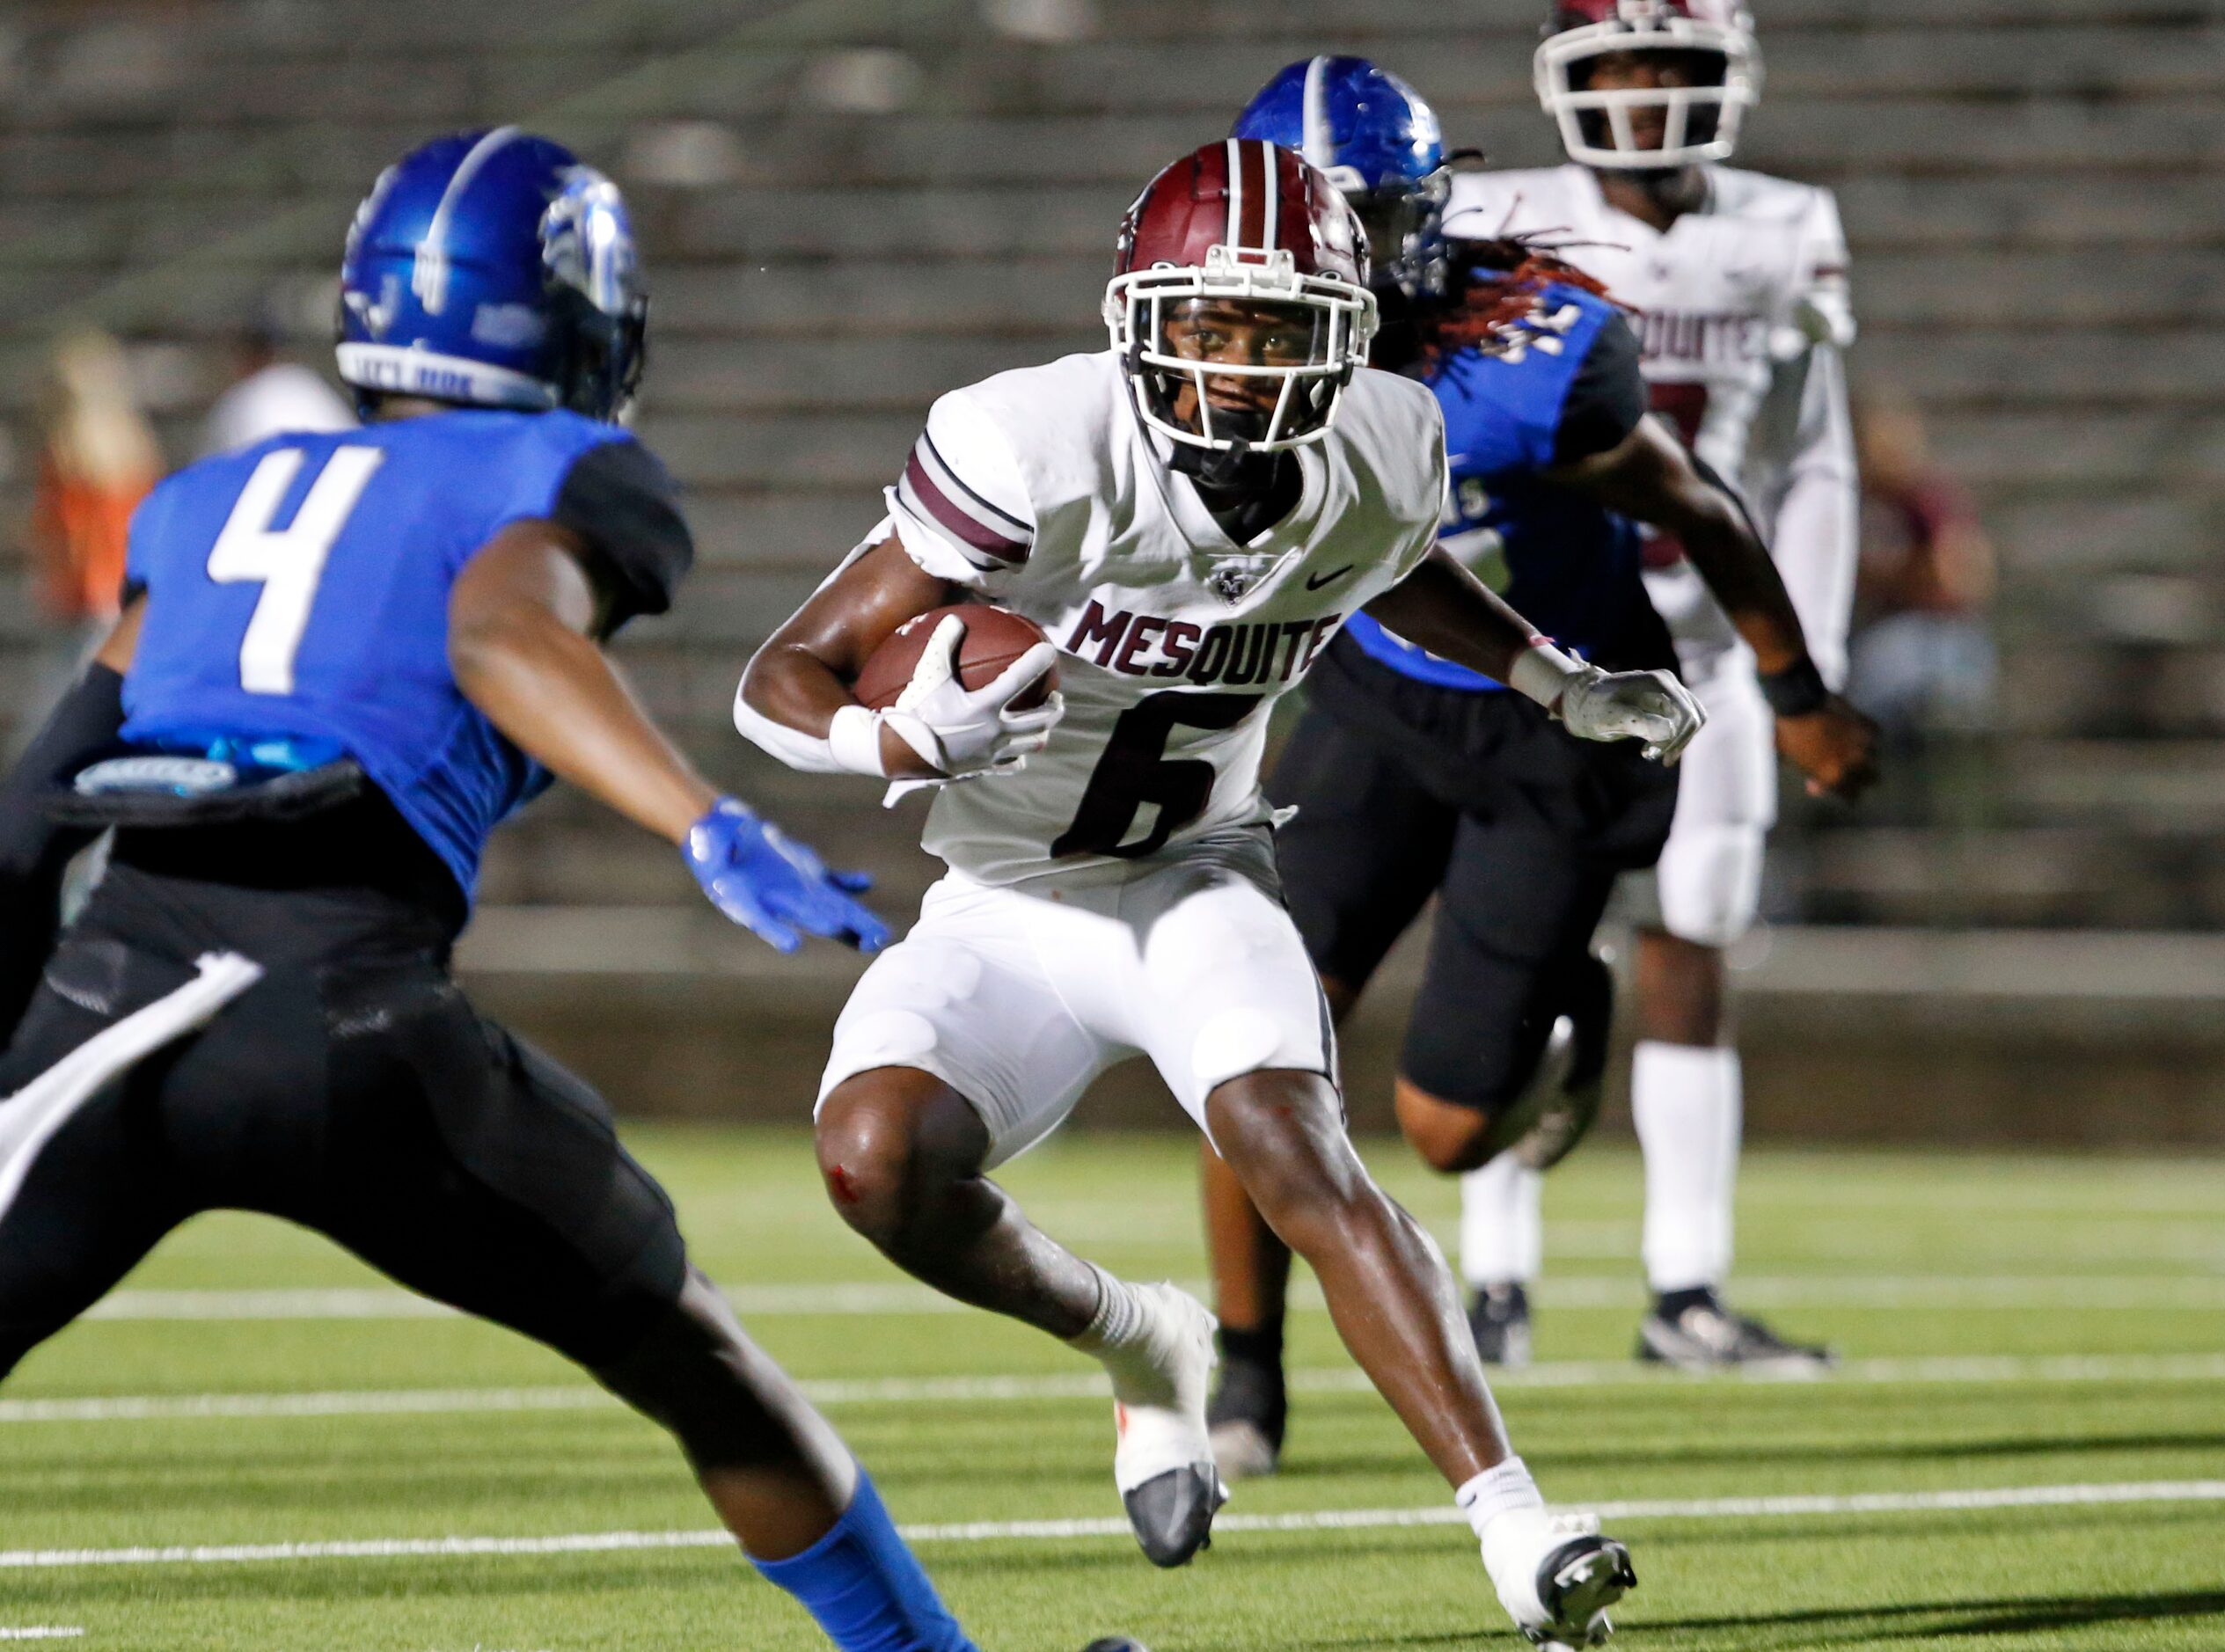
x=1379 y=143
x=493 y=269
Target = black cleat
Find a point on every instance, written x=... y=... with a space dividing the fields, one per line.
x=1248 y=1414
x=1568 y=1110
x=1115 y=1643
x=1556 y=1576
x=1560 y=1101
x=1499 y=1319
x=1577 y=1584
x=1172 y=1514
x=1694 y=1331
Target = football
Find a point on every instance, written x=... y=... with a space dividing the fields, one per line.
x=995 y=637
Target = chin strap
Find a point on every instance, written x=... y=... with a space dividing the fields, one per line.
x=1237 y=469
x=1225 y=467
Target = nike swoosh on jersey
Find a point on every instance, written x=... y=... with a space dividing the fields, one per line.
x=1314 y=581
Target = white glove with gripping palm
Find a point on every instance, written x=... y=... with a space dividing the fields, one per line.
x=965 y=732
x=1596 y=705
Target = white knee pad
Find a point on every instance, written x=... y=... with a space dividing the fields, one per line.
x=1710 y=881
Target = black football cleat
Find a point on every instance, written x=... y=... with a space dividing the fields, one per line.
x=1172 y=1514
x=1556 y=1576
x=1572 y=1076
x=1248 y=1414
x=1695 y=1332
x=1560 y=1102
x=1115 y=1643
x=1499 y=1319
x=1163 y=1459
x=1577 y=1584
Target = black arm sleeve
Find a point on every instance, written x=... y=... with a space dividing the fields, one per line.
x=1606 y=399
x=622 y=501
x=33 y=850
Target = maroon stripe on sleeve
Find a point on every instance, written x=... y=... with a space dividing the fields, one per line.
x=955 y=519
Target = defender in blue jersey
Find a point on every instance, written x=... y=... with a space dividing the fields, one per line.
x=1414 y=777
x=344 y=659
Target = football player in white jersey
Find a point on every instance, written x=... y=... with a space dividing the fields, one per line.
x=1191 y=516
x=1739 y=285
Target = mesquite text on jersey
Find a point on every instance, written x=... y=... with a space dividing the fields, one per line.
x=1145 y=645
x=1716 y=339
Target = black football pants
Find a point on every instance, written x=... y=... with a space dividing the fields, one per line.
x=1405 y=790
x=351 y=1090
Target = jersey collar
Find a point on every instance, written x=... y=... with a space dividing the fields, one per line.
x=1206 y=537
x=1622 y=223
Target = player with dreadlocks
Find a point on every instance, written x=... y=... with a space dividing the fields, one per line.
x=1413 y=776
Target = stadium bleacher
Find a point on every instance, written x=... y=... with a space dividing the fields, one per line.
x=851 y=204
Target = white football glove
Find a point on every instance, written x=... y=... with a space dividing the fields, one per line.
x=1649 y=705
x=965 y=731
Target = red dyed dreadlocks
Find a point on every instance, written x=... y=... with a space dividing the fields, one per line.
x=1505 y=277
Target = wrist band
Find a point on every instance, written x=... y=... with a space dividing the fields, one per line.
x=1796 y=691
x=854 y=737
x=1542 y=672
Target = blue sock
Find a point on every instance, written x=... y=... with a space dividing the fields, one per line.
x=864 y=1586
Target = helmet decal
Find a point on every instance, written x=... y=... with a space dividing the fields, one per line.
x=1320 y=137
x=428 y=276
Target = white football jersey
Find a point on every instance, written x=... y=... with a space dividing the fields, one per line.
x=1741 y=309
x=1042 y=490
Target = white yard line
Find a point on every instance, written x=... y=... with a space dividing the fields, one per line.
x=979 y=1531
x=2141 y=1291
x=2007 y=1368
x=48 y=1633
x=371 y=1302
x=366 y=1403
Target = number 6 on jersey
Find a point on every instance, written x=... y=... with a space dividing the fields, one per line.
x=288 y=562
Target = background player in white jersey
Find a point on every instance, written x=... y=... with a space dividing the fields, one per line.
x=1191 y=515
x=1738 y=281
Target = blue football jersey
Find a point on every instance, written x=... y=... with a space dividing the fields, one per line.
x=1567 y=566
x=300 y=588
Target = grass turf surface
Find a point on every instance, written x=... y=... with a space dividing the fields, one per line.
x=1895 y=1258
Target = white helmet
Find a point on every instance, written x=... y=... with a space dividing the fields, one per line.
x=1701 y=120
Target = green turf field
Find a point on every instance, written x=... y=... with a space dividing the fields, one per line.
x=2008 y=1324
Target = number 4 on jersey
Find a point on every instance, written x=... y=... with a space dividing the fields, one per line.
x=288 y=562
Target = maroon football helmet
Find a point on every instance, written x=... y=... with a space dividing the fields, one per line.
x=1700 y=120
x=1247 y=223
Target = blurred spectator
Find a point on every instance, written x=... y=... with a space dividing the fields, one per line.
x=97 y=457
x=268 y=395
x=1923 y=661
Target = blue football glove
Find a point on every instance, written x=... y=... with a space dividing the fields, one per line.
x=774 y=887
